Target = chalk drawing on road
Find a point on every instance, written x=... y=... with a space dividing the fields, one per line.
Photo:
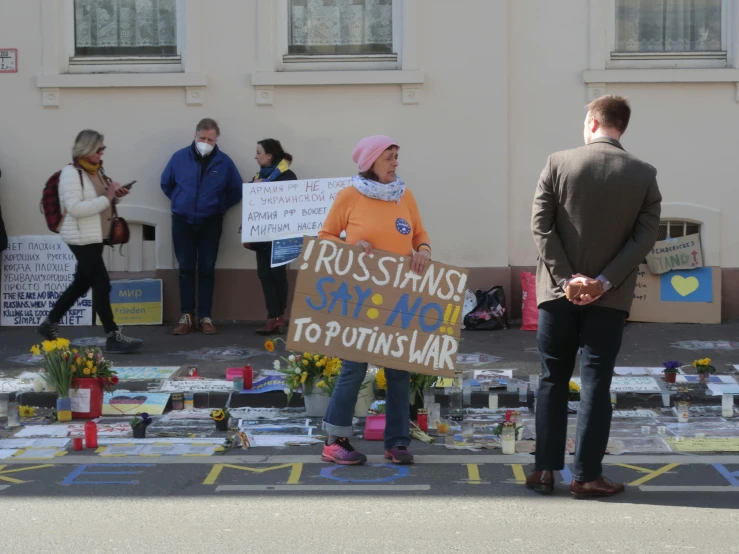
x=89 y=341
x=706 y=345
x=27 y=359
x=221 y=354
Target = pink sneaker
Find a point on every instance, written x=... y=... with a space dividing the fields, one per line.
x=399 y=455
x=343 y=453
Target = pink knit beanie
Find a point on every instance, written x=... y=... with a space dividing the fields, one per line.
x=369 y=149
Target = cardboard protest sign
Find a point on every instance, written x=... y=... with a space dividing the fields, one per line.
x=36 y=270
x=375 y=309
x=677 y=297
x=679 y=253
x=287 y=209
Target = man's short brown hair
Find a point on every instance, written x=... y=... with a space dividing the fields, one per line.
x=208 y=124
x=612 y=112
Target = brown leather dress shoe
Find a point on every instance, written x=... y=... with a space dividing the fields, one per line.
x=599 y=488
x=273 y=326
x=185 y=326
x=541 y=482
x=207 y=327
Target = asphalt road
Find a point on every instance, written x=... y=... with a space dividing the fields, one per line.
x=244 y=504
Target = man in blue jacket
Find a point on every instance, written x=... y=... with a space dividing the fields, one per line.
x=202 y=183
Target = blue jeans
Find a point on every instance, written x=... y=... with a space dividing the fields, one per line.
x=196 y=249
x=565 y=329
x=338 y=420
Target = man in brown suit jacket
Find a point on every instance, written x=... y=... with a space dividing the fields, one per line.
x=595 y=218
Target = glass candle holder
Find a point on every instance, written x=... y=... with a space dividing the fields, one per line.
x=727 y=405
x=468 y=430
x=493 y=400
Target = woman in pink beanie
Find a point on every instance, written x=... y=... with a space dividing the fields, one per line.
x=376 y=212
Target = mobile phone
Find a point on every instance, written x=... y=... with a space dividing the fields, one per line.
x=128 y=186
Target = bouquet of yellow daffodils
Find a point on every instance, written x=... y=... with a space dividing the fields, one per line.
x=62 y=365
x=303 y=372
x=57 y=364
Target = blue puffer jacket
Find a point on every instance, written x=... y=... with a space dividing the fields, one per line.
x=198 y=194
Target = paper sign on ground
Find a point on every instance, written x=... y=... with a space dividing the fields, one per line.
x=280 y=440
x=7 y=453
x=33 y=453
x=197 y=385
x=726 y=379
x=145 y=373
x=104 y=430
x=649 y=304
x=674 y=254
x=287 y=209
x=15 y=385
x=39 y=443
x=173 y=440
x=136 y=302
x=718 y=389
x=706 y=444
x=123 y=450
x=271 y=383
x=375 y=309
x=36 y=270
x=58 y=431
x=630 y=384
x=656 y=371
x=132 y=403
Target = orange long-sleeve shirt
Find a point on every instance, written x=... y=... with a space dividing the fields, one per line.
x=390 y=226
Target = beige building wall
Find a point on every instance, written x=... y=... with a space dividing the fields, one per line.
x=503 y=86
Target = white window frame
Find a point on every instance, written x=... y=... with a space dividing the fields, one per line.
x=670 y=60
x=124 y=64
x=275 y=68
x=302 y=62
x=60 y=68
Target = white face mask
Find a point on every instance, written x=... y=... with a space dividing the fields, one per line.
x=204 y=148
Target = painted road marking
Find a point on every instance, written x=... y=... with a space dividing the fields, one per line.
x=294 y=479
x=3 y=487
x=4 y=471
x=400 y=472
x=81 y=470
x=324 y=488
x=731 y=477
x=519 y=474
x=473 y=474
x=721 y=488
x=651 y=474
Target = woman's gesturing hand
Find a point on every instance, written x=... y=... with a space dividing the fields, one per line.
x=366 y=245
x=420 y=261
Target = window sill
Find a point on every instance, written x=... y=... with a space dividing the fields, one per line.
x=266 y=81
x=121 y=80
x=50 y=85
x=592 y=76
x=309 y=78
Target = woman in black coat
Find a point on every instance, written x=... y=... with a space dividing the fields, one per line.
x=274 y=165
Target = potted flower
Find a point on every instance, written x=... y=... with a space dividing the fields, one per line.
x=670 y=371
x=221 y=417
x=139 y=423
x=57 y=373
x=574 y=391
x=704 y=369
x=93 y=373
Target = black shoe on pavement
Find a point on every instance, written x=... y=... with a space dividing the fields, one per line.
x=118 y=343
x=48 y=330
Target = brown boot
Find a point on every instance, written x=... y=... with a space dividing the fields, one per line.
x=541 y=482
x=185 y=326
x=273 y=326
x=207 y=327
x=601 y=487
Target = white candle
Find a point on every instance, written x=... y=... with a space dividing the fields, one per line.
x=509 y=444
x=727 y=405
x=493 y=401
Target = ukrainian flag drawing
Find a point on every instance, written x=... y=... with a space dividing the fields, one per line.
x=136 y=302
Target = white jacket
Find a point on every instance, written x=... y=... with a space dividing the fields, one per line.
x=81 y=207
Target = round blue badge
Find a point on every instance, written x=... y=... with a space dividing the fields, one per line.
x=403 y=226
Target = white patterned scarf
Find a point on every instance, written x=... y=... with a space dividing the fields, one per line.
x=392 y=192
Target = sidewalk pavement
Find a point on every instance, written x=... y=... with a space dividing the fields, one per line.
x=644 y=345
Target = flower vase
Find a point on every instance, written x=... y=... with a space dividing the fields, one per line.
x=316 y=404
x=139 y=431
x=670 y=377
x=64 y=409
x=704 y=377
x=87 y=398
x=222 y=424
